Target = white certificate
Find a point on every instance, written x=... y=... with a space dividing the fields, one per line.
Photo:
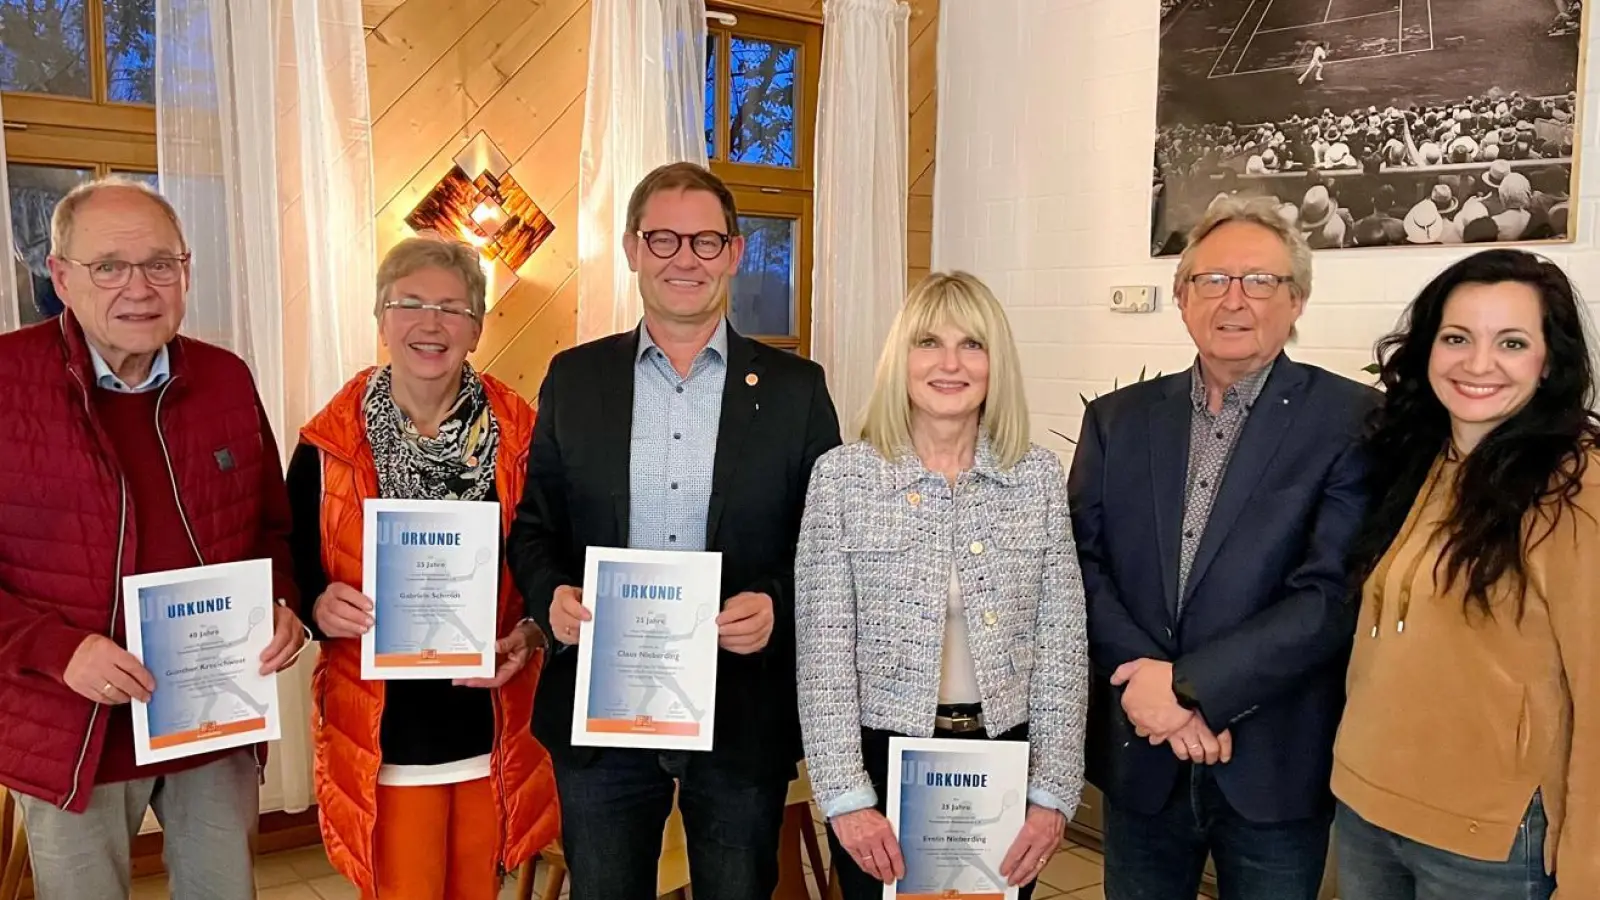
x=432 y=569
x=647 y=663
x=957 y=806
x=201 y=633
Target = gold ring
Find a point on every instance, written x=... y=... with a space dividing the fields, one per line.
x=106 y=691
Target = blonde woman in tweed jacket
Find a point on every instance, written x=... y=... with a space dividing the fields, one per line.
x=937 y=587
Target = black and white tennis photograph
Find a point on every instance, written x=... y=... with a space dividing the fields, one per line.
x=1374 y=123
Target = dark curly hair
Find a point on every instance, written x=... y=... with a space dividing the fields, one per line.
x=1534 y=459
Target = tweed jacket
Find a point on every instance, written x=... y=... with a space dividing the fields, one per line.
x=872 y=573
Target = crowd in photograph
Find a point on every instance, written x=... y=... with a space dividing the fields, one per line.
x=1490 y=168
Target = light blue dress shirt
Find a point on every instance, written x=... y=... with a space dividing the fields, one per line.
x=674 y=444
x=160 y=371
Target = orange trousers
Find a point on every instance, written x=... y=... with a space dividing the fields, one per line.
x=437 y=842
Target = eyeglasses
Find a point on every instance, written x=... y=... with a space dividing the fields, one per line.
x=1256 y=285
x=415 y=307
x=162 y=271
x=664 y=243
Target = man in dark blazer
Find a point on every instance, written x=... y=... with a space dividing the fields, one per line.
x=679 y=435
x=1213 y=510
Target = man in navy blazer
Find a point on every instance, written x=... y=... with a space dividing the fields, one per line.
x=1213 y=510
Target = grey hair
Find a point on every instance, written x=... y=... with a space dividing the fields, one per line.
x=417 y=253
x=66 y=211
x=1255 y=210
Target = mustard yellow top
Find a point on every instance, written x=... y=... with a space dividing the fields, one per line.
x=1454 y=720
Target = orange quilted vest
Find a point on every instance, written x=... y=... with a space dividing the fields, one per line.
x=349 y=710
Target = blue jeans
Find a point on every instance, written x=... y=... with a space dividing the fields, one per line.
x=1377 y=864
x=1162 y=857
x=614 y=810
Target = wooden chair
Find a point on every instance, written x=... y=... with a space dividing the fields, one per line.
x=798 y=845
x=13 y=847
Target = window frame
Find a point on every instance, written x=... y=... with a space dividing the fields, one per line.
x=798 y=207
x=782 y=192
x=82 y=132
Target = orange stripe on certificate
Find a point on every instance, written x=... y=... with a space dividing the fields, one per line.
x=644 y=725
x=951 y=895
x=425 y=659
x=206 y=732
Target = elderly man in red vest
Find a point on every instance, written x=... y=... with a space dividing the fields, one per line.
x=124 y=449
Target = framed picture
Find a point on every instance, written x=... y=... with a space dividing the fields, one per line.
x=1375 y=123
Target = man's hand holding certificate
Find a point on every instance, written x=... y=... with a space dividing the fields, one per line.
x=647 y=655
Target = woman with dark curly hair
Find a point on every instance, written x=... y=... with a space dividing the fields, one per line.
x=1468 y=759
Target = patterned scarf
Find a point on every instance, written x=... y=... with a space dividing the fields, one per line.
x=458 y=464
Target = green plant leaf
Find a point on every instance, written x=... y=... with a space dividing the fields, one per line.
x=1372 y=369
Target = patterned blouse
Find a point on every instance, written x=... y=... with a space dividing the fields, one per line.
x=872 y=573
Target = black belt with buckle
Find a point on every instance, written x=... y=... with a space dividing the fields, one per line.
x=958 y=718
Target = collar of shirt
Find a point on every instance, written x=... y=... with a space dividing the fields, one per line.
x=1245 y=390
x=907 y=469
x=717 y=345
x=160 y=371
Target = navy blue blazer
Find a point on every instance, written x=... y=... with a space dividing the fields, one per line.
x=1268 y=619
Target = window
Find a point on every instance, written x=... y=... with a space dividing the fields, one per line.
x=761 y=111
x=78 y=78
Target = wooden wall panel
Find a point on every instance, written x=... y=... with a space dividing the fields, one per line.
x=922 y=100
x=441 y=70
x=410 y=40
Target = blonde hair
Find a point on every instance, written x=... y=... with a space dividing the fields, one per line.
x=67 y=209
x=1256 y=210
x=959 y=300
x=430 y=252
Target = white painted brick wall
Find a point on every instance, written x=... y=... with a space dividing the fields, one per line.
x=1046 y=132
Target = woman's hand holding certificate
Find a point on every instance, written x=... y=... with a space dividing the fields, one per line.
x=869 y=839
x=343 y=612
x=1035 y=844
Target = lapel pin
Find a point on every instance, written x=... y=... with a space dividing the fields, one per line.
x=751 y=379
x=914 y=498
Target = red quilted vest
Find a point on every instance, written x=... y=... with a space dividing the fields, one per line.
x=67 y=531
x=350 y=711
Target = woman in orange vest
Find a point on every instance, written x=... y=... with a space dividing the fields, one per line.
x=427 y=790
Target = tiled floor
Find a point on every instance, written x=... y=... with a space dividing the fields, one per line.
x=1074 y=874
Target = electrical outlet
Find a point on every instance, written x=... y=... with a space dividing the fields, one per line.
x=1135 y=299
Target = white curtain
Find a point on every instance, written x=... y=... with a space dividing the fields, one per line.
x=859 y=269
x=645 y=106
x=264 y=147
x=10 y=259
x=217 y=163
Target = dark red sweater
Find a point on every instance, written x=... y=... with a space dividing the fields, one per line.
x=163 y=545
